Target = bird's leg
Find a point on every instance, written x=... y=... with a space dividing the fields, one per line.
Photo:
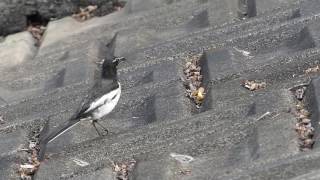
x=105 y=129
x=95 y=127
x=94 y=122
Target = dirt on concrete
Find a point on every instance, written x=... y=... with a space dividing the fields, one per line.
x=15 y=16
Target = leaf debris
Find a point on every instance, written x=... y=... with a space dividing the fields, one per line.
x=254 y=85
x=85 y=13
x=122 y=170
x=28 y=168
x=312 y=70
x=192 y=80
x=37 y=32
x=303 y=127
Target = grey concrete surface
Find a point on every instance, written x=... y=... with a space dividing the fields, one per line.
x=238 y=134
x=15 y=15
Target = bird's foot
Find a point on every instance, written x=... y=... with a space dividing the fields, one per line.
x=94 y=122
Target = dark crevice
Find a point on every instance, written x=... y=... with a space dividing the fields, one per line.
x=247 y=9
x=38 y=12
x=296 y=14
x=311 y=102
x=36 y=19
x=56 y=81
x=36 y=26
x=145 y=112
x=252 y=110
x=120 y=4
x=206 y=83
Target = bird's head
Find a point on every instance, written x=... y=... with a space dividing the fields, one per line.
x=109 y=67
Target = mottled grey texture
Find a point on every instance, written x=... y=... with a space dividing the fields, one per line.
x=228 y=139
x=14 y=13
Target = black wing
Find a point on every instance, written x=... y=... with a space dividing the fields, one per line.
x=98 y=90
x=91 y=96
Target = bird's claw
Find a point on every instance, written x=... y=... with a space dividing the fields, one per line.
x=94 y=122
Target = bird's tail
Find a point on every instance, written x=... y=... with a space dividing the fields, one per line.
x=54 y=134
x=60 y=130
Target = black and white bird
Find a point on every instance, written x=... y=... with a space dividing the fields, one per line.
x=100 y=101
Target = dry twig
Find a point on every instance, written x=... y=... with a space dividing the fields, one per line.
x=304 y=129
x=264 y=115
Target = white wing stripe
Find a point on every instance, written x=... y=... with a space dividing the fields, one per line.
x=107 y=107
x=103 y=99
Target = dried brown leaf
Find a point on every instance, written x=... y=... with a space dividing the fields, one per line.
x=312 y=70
x=254 y=85
x=85 y=13
x=122 y=169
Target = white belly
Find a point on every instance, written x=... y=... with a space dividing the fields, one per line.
x=108 y=107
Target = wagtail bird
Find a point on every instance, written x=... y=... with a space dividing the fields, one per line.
x=100 y=101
